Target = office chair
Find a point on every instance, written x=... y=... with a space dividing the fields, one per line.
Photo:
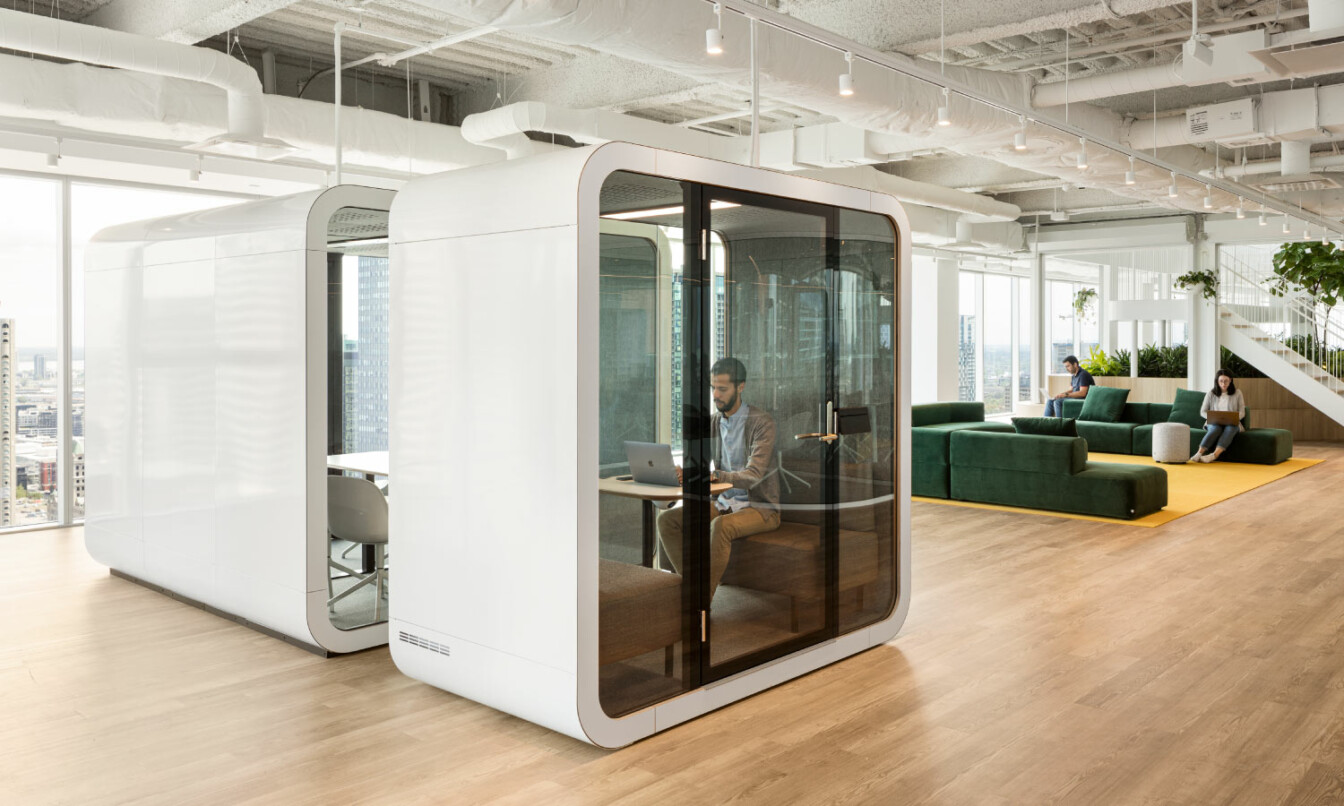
x=357 y=512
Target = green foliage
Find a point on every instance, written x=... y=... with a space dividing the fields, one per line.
x=1207 y=279
x=1311 y=267
x=1238 y=366
x=1083 y=302
x=1163 y=362
x=1100 y=363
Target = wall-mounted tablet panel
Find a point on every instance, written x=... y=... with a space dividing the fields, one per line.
x=237 y=362
x=573 y=332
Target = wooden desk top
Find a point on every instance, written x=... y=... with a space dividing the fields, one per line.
x=651 y=492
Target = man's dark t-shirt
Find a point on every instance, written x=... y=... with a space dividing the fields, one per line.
x=1083 y=378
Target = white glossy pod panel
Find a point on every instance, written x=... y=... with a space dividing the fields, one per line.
x=201 y=388
x=494 y=422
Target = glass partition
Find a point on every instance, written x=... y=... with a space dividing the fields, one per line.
x=746 y=431
x=357 y=383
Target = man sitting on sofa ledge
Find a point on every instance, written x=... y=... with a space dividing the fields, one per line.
x=1079 y=383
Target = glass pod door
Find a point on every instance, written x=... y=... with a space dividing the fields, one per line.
x=767 y=536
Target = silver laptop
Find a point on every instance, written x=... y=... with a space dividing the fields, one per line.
x=651 y=463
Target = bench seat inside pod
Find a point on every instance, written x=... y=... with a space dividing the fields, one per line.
x=554 y=315
x=212 y=342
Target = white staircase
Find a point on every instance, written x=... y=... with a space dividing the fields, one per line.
x=1254 y=323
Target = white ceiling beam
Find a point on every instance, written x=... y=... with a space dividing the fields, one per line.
x=184 y=21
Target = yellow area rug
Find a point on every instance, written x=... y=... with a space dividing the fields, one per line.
x=1189 y=487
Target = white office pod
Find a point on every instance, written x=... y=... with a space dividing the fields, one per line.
x=553 y=317
x=223 y=370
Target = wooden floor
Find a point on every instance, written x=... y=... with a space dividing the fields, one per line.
x=1044 y=661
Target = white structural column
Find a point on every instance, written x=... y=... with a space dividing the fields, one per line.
x=1203 y=336
x=934 y=332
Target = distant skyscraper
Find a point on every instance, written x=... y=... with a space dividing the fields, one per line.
x=966 y=350
x=371 y=363
x=349 y=382
x=40 y=367
x=9 y=426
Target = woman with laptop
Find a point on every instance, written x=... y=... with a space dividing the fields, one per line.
x=1222 y=412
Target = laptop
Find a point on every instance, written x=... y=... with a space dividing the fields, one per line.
x=651 y=463
x=1224 y=418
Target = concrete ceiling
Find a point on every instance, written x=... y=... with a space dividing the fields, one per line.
x=1019 y=36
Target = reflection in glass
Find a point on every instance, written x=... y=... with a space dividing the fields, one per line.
x=731 y=354
x=357 y=383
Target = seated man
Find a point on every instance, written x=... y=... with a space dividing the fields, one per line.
x=1079 y=384
x=743 y=450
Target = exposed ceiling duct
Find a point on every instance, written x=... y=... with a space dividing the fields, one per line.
x=1310 y=114
x=670 y=35
x=131 y=104
x=832 y=146
x=183 y=21
x=246 y=129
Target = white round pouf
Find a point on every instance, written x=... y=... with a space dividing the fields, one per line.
x=1171 y=442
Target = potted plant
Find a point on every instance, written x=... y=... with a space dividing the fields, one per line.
x=1206 y=279
x=1084 y=303
x=1313 y=269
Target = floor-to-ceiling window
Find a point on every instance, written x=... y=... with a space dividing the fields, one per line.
x=994 y=340
x=30 y=338
x=43 y=222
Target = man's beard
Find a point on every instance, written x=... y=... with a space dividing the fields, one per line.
x=726 y=405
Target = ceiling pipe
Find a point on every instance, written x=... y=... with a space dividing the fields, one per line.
x=33 y=33
x=1319 y=164
x=793 y=150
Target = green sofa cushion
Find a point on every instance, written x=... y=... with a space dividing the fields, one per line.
x=967 y=411
x=1103 y=404
x=1186 y=408
x=1260 y=446
x=1107 y=437
x=1024 y=453
x=929 y=454
x=930 y=413
x=1137 y=413
x=1046 y=426
x=1071 y=407
x=1159 y=413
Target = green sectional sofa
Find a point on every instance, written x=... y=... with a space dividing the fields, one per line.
x=1041 y=472
x=932 y=425
x=1134 y=434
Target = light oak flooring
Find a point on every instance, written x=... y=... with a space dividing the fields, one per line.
x=1044 y=661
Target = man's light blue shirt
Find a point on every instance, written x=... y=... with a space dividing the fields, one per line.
x=732 y=434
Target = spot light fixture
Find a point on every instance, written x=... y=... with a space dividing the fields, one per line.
x=1241 y=210
x=944 y=111
x=847 y=78
x=1208 y=197
x=1130 y=178
x=54 y=158
x=1285 y=225
x=714 y=36
x=1173 y=191
x=1082 y=153
x=1020 y=139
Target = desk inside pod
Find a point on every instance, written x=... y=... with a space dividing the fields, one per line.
x=548 y=311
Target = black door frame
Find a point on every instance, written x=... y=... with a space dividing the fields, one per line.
x=697 y=308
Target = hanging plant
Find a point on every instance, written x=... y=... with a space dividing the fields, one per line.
x=1207 y=279
x=1083 y=303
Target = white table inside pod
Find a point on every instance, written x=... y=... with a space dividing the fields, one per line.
x=532 y=331
x=209 y=388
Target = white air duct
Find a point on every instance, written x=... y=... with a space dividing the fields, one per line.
x=33 y=33
x=669 y=34
x=1296 y=158
x=131 y=104
x=1325 y=16
x=828 y=146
